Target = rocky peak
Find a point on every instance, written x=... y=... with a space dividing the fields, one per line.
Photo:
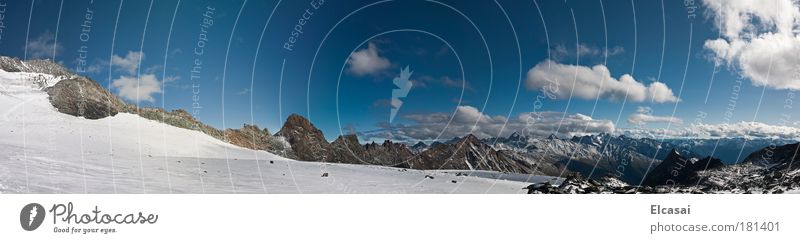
x=419 y=147
x=677 y=169
x=306 y=140
x=298 y=123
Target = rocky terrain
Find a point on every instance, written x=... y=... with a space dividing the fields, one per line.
x=769 y=170
x=307 y=141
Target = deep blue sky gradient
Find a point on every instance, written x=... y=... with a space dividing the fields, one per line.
x=362 y=101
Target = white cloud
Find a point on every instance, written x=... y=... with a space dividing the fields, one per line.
x=722 y=130
x=43 y=46
x=742 y=129
x=759 y=38
x=137 y=90
x=644 y=116
x=468 y=119
x=595 y=82
x=129 y=63
x=367 y=61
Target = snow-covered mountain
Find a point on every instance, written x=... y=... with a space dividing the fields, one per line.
x=46 y=149
x=593 y=156
x=469 y=153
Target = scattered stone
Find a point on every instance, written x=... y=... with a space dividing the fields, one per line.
x=325 y=174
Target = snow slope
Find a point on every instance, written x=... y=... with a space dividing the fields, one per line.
x=44 y=151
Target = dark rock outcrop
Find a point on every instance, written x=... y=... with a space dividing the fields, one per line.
x=677 y=169
x=785 y=156
x=307 y=141
x=83 y=97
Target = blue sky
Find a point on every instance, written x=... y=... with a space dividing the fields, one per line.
x=471 y=62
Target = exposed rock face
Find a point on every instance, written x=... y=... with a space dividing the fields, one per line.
x=250 y=136
x=308 y=142
x=80 y=96
x=13 y=64
x=676 y=169
x=469 y=153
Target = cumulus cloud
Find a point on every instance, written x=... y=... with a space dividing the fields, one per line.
x=743 y=129
x=468 y=119
x=644 y=115
x=367 y=61
x=759 y=39
x=43 y=46
x=595 y=82
x=129 y=63
x=141 y=89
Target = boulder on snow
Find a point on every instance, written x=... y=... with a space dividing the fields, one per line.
x=83 y=97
